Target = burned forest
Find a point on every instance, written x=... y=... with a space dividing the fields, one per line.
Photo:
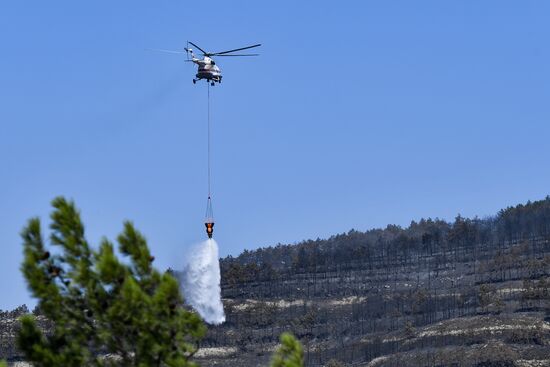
x=474 y=292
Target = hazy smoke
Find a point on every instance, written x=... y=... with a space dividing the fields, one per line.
x=200 y=282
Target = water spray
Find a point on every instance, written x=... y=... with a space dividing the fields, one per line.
x=200 y=281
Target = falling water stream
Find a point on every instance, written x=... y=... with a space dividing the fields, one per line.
x=200 y=282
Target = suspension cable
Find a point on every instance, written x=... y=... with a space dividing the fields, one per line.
x=208 y=123
x=209 y=218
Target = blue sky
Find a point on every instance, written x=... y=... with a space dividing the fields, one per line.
x=356 y=115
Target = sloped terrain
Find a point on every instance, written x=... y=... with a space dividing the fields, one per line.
x=396 y=315
x=469 y=293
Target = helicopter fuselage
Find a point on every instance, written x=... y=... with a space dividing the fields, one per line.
x=207 y=70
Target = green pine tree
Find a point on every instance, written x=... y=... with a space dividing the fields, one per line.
x=105 y=311
x=289 y=353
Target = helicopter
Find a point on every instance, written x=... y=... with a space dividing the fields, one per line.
x=207 y=68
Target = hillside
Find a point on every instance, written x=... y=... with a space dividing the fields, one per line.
x=474 y=292
x=471 y=292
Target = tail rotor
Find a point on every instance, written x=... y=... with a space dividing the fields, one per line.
x=189 y=51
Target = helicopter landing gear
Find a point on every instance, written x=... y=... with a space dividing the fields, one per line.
x=194 y=81
x=212 y=83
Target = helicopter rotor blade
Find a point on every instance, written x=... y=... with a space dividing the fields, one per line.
x=203 y=52
x=239 y=55
x=167 y=51
x=237 y=49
